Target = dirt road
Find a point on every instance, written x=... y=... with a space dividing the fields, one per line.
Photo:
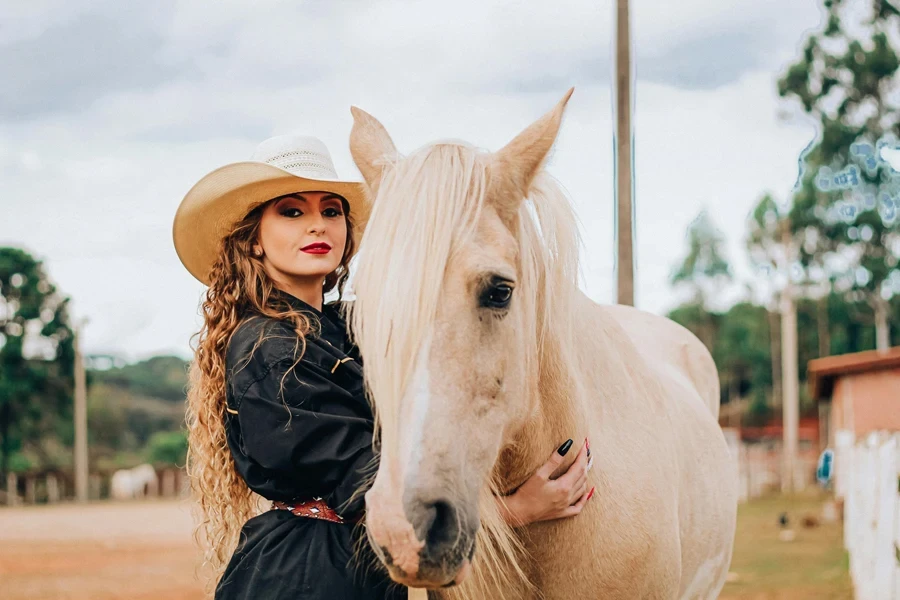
x=104 y=551
x=144 y=551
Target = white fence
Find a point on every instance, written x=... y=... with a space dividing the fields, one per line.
x=867 y=476
x=760 y=467
x=57 y=486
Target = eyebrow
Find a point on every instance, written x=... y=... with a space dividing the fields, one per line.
x=299 y=196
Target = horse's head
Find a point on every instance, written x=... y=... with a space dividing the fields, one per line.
x=445 y=320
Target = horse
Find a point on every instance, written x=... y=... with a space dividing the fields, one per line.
x=139 y=482
x=482 y=354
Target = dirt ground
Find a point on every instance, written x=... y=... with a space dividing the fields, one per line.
x=104 y=551
x=144 y=551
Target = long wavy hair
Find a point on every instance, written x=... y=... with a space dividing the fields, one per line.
x=239 y=288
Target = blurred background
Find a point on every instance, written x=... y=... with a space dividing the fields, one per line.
x=766 y=170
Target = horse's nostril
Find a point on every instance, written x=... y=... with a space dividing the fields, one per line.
x=441 y=523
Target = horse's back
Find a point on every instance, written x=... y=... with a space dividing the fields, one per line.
x=670 y=347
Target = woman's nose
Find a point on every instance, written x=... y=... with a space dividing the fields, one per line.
x=316 y=225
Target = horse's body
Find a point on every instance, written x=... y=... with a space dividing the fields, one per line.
x=473 y=390
x=660 y=532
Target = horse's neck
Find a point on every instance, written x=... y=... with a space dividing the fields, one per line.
x=560 y=415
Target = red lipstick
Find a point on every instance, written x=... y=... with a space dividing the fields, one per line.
x=317 y=248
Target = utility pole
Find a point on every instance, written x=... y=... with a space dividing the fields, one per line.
x=623 y=145
x=81 y=443
x=790 y=383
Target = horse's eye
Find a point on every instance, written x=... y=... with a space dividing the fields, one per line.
x=497 y=296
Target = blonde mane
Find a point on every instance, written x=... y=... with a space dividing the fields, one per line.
x=427 y=207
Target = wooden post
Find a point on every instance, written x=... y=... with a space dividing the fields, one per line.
x=81 y=447
x=184 y=484
x=791 y=384
x=774 y=318
x=153 y=487
x=52 y=489
x=94 y=487
x=168 y=483
x=624 y=180
x=30 y=490
x=12 y=489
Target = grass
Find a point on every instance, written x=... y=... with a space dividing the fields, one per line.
x=811 y=567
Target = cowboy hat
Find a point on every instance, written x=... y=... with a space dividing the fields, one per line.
x=281 y=165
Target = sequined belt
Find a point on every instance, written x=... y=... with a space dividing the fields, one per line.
x=311 y=509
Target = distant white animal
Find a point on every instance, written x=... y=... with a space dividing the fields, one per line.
x=139 y=482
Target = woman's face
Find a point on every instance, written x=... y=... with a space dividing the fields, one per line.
x=302 y=235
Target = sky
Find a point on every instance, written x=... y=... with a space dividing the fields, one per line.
x=110 y=111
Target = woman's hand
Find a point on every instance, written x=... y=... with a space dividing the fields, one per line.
x=543 y=499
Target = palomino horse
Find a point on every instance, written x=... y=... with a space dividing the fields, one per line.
x=482 y=354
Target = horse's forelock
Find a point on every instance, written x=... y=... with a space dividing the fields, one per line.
x=426 y=204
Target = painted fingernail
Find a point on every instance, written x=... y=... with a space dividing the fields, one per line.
x=591 y=493
x=588 y=444
x=590 y=463
x=565 y=447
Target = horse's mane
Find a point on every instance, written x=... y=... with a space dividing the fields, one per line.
x=427 y=206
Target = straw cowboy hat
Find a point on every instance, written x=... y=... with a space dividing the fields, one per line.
x=281 y=165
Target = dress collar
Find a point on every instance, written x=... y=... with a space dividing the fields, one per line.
x=332 y=326
x=295 y=302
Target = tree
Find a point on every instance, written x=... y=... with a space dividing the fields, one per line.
x=168 y=447
x=742 y=350
x=703 y=271
x=704 y=268
x=36 y=356
x=846 y=79
x=162 y=377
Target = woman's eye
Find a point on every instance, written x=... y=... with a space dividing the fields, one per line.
x=497 y=296
x=332 y=212
x=291 y=212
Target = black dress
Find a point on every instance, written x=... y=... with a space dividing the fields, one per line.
x=298 y=433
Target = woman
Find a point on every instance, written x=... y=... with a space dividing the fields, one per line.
x=276 y=404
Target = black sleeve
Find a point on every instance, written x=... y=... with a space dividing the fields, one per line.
x=305 y=431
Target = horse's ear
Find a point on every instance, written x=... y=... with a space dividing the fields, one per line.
x=514 y=166
x=371 y=147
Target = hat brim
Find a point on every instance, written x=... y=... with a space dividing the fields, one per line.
x=212 y=208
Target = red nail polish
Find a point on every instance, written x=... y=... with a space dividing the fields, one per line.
x=591 y=493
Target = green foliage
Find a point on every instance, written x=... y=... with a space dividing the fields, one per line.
x=695 y=317
x=106 y=417
x=168 y=447
x=121 y=421
x=126 y=406
x=704 y=268
x=759 y=412
x=743 y=349
x=36 y=356
x=704 y=271
x=162 y=377
x=19 y=463
x=846 y=78
x=742 y=344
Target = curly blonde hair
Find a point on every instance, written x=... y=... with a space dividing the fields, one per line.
x=239 y=287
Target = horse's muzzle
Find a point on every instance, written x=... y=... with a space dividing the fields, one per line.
x=443 y=547
x=449 y=535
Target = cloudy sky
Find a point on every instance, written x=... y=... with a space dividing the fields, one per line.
x=110 y=111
